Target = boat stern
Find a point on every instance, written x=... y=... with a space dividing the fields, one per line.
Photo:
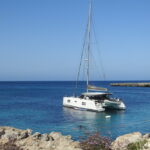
x=119 y=105
x=122 y=106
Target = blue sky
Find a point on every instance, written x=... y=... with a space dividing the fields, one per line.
x=42 y=40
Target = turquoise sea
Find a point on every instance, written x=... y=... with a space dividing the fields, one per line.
x=38 y=105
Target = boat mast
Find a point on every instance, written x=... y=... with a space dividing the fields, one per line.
x=89 y=40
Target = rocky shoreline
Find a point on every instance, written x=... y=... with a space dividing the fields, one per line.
x=16 y=139
x=144 y=84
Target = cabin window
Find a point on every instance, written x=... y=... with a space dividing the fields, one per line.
x=68 y=100
x=83 y=103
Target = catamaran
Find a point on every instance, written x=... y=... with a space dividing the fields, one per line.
x=95 y=98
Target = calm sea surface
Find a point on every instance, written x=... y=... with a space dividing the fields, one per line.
x=38 y=105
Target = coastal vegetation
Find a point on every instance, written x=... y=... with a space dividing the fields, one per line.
x=137 y=145
x=96 y=142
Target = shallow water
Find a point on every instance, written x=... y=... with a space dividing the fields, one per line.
x=38 y=105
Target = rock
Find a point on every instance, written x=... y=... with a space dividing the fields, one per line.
x=123 y=141
x=138 y=84
x=11 y=136
x=146 y=136
x=29 y=131
x=25 y=140
x=68 y=137
x=55 y=135
x=2 y=132
x=24 y=135
x=50 y=138
x=37 y=135
x=45 y=137
x=147 y=145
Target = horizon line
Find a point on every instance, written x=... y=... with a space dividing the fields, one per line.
x=66 y=80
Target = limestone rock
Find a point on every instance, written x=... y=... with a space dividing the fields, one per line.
x=45 y=137
x=56 y=135
x=37 y=135
x=2 y=132
x=25 y=140
x=123 y=141
x=24 y=135
x=146 y=136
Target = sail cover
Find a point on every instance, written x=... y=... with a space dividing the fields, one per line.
x=91 y=87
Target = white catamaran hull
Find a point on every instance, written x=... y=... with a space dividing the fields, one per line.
x=114 y=104
x=82 y=104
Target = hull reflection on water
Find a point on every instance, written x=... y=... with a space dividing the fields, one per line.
x=80 y=114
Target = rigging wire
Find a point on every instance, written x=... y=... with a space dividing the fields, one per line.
x=98 y=50
x=96 y=66
x=81 y=59
x=86 y=46
x=86 y=49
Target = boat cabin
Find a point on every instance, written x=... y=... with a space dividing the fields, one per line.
x=99 y=96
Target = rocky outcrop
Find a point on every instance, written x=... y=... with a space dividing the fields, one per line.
x=145 y=84
x=25 y=140
x=123 y=142
x=15 y=139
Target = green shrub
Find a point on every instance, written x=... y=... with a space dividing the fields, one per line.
x=137 y=145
